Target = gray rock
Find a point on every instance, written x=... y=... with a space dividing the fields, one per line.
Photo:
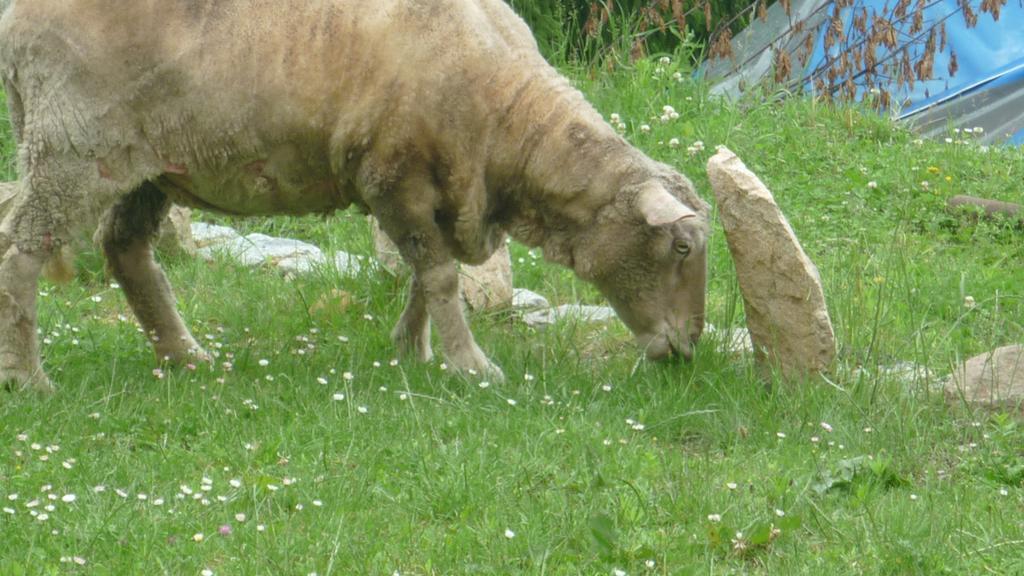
x=299 y=264
x=785 y=306
x=736 y=340
x=347 y=264
x=260 y=249
x=524 y=299
x=991 y=380
x=906 y=372
x=206 y=235
x=569 y=312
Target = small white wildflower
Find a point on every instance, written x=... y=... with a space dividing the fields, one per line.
x=198 y=537
x=348 y=376
x=1004 y=492
x=714 y=517
x=650 y=564
x=731 y=485
x=872 y=184
x=338 y=397
x=362 y=409
x=645 y=128
x=511 y=401
x=913 y=496
x=484 y=384
x=99 y=488
x=206 y=572
x=673 y=143
x=969 y=302
x=509 y=534
x=607 y=388
x=318 y=503
x=826 y=426
x=240 y=517
x=618 y=572
x=781 y=435
x=68 y=498
x=321 y=380
x=264 y=362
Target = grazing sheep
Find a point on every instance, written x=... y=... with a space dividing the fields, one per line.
x=439 y=117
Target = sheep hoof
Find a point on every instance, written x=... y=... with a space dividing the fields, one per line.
x=414 y=346
x=475 y=366
x=12 y=379
x=183 y=356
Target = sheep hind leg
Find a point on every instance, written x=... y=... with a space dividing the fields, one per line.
x=24 y=248
x=20 y=364
x=412 y=333
x=127 y=231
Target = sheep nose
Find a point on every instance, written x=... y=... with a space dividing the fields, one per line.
x=684 y=350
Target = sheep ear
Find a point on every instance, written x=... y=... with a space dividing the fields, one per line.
x=659 y=207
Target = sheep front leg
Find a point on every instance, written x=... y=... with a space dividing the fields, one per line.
x=409 y=221
x=412 y=333
x=441 y=288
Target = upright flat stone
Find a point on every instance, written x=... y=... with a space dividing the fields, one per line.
x=991 y=380
x=489 y=285
x=176 y=232
x=8 y=190
x=785 y=307
x=387 y=252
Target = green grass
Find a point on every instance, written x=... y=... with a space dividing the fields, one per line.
x=432 y=475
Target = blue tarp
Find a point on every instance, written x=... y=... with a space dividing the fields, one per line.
x=986 y=90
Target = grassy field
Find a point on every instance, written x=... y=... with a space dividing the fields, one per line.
x=305 y=449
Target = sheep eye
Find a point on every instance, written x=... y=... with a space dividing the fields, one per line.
x=682 y=248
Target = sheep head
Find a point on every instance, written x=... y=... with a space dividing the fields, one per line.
x=647 y=255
